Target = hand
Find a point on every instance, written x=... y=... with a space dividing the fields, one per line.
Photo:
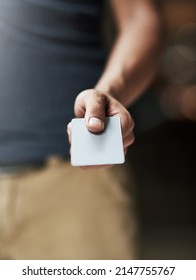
x=95 y=106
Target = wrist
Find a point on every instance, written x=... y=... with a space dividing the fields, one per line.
x=113 y=89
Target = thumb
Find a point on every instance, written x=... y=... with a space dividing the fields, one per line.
x=95 y=112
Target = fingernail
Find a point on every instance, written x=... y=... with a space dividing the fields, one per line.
x=96 y=122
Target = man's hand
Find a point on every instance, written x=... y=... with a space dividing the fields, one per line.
x=95 y=106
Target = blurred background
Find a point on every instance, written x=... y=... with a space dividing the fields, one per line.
x=164 y=156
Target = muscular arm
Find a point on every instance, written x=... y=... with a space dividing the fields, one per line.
x=135 y=56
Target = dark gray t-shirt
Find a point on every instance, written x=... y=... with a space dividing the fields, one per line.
x=50 y=50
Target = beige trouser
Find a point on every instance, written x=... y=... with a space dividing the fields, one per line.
x=61 y=212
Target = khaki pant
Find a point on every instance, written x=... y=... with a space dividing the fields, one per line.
x=61 y=212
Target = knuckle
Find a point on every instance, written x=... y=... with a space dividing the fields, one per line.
x=127 y=120
x=129 y=140
x=93 y=96
x=127 y=116
x=133 y=123
x=82 y=95
x=130 y=121
x=100 y=97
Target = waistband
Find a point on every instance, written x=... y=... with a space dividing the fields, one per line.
x=20 y=168
x=17 y=169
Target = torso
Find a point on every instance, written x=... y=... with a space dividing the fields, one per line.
x=49 y=52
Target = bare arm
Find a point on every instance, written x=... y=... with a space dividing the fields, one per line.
x=135 y=56
x=130 y=69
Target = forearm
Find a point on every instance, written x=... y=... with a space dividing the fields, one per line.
x=134 y=59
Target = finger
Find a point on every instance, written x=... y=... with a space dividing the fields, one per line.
x=128 y=140
x=69 y=132
x=127 y=123
x=95 y=112
x=91 y=104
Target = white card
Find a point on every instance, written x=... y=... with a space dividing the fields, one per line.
x=97 y=149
